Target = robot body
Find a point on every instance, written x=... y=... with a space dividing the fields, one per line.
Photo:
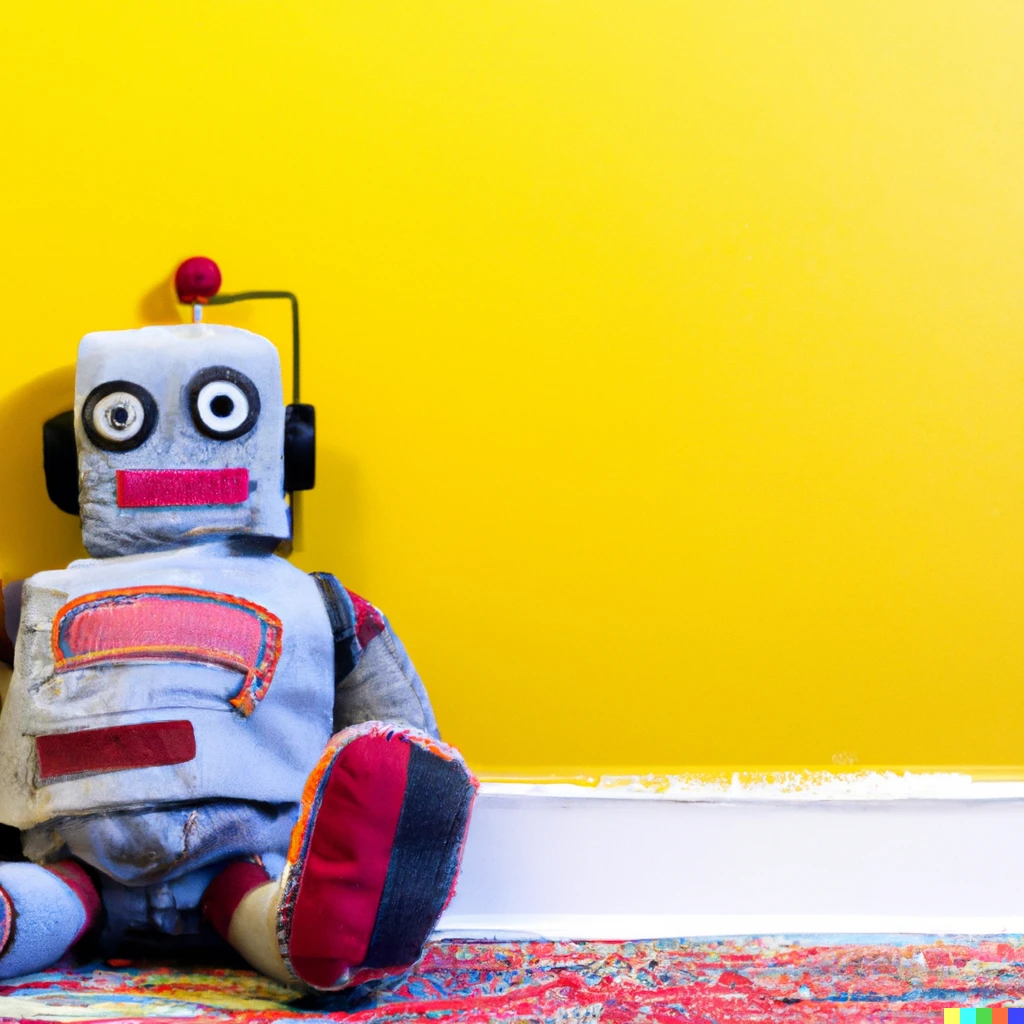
x=198 y=735
x=80 y=743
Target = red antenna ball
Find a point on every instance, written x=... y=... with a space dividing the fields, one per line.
x=197 y=280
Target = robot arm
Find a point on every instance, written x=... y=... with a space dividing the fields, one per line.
x=373 y=677
x=10 y=838
x=6 y=645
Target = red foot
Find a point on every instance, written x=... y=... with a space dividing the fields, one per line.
x=374 y=855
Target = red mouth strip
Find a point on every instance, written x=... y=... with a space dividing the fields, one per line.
x=158 y=488
x=115 y=749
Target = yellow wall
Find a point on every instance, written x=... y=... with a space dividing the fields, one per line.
x=669 y=354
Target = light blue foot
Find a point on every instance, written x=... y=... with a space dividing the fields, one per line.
x=40 y=917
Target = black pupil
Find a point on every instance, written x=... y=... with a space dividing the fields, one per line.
x=222 y=406
x=119 y=416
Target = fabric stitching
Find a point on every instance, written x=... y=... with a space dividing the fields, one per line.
x=258 y=677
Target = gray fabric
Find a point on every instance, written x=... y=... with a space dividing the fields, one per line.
x=384 y=687
x=145 y=847
x=264 y=758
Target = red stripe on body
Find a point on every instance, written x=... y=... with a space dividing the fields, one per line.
x=115 y=749
x=160 y=488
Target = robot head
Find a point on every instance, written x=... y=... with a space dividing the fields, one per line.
x=180 y=434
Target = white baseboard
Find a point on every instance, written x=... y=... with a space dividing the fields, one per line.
x=564 y=862
x=798 y=928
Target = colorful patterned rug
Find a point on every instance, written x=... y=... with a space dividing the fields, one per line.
x=739 y=981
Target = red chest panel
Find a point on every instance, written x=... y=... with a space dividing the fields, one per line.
x=164 y=623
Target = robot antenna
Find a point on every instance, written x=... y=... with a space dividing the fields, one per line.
x=197 y=282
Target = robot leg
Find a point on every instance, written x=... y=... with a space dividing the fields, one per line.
x=43 y=913
x=371 y=865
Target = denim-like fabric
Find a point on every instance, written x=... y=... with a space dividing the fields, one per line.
x=137 y=848
x=383 y=687
x=154 y=866
x=166 y=909
x=158 y=835
x=48 y=918
x=374 y=679
x=424 y=858
x=264 y=757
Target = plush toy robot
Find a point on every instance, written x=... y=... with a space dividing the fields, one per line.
x=199 y=738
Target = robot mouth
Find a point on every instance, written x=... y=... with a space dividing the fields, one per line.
x=161 y=488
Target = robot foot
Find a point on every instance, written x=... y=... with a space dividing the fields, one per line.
x=43 y=913
x=372 y=863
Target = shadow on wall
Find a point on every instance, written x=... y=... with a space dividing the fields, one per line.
x=330 y=528
x=160 y=304
x=34 y=534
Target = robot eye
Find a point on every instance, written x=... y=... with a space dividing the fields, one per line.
x=118 y=415
x=225 y=403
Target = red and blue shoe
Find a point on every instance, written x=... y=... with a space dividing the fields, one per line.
x=374 y=856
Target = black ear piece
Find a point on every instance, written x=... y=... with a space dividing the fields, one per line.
x=60 y=462
x=299 y=448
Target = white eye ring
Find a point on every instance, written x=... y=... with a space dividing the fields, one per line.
x=222 y=406
x=118 y=416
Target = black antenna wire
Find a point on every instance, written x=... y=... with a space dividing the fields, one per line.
x=224 y=300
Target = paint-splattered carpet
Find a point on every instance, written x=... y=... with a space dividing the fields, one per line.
x=735 y=981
